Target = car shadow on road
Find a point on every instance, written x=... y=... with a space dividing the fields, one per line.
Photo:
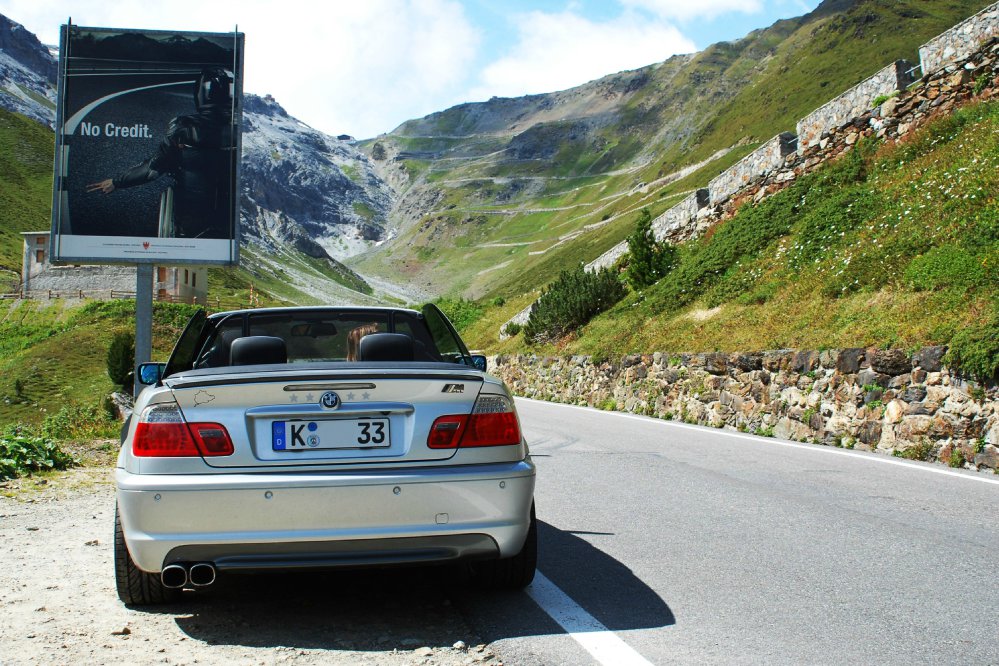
x=379 y=610
x=601 y=585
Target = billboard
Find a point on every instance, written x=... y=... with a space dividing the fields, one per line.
x=147 y=147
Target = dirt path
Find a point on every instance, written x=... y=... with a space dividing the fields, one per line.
x=58 y=604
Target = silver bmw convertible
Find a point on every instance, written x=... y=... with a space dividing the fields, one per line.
x=317 y=438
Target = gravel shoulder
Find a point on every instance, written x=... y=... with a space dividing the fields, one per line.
x=59 y=604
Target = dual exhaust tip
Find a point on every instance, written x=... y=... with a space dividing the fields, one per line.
x=175 y=576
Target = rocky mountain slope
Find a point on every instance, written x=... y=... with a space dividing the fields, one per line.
x=496 y=197
x=27 y=73
x=309 y=199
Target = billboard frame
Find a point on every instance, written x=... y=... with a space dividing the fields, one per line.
x=60 y=167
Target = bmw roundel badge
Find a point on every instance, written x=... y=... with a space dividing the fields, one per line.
x=330 y=400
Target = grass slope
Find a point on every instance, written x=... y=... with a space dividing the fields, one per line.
x=25 y=186
x=53 y=354
x=889 y=246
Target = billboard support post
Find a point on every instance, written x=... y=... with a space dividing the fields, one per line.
x=143 y=320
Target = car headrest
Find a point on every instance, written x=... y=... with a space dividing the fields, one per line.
x=386 y=347
x=258 y=350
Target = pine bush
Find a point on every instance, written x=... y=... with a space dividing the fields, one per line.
x=121 y=358
x=571 y=301
x=648 y=259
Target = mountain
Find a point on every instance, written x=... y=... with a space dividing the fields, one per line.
x=309 y=199
x=494 y=198
x=27 y=74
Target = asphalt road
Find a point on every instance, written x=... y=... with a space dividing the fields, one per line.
x=694 y=545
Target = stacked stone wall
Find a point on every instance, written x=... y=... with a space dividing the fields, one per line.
x=886 y=401
x=679 y=223
x=755 y=165
x=86 y=278
x=854 y=102
x=960 y=41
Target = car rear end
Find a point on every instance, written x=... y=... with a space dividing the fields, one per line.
x=319 y=465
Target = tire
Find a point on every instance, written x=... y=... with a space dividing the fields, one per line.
x=135 y=586
x=511 y=573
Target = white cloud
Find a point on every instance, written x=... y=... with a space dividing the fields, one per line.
x=555 y=51
x=689 y=9
x=354 y=67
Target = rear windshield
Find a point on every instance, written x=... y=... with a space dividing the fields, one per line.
x=315 y=336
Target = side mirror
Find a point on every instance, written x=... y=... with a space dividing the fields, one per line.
x=151 y=373
x=479 y=362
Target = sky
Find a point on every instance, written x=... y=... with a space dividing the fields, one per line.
x=362 y=67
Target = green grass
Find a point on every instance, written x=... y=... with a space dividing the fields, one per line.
x=25 y=183
x=53 y=356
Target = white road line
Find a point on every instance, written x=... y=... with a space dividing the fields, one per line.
x=603 y=644
x=816 y=448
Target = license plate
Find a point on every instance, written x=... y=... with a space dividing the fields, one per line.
x=330 y=434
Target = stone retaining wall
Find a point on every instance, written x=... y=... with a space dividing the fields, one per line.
x=886 y=401
x=755 y=165
x=852 y=103
x=87 y=278
x=960 y=41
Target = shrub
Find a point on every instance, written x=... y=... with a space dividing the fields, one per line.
x=513 y=328
x=571 y=301
x=945 y=266
x=648 y=259
x=462 y=313
x=23 y=454
x=975 y=350
x=121 y=358
x=81 y=422
x=981 y=83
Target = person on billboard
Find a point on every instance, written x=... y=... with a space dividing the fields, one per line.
x=197 y=153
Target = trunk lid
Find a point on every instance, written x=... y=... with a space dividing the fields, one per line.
x=278 y=417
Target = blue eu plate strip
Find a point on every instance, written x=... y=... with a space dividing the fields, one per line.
x=277 y=432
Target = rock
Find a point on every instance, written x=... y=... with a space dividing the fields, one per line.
x=888 y=106
x=869 y=433
x=124 y=631
x=630 y=360
x=848 y=362
x=930 y=358
x=773 y=361
x=872 y=378
x=895 y=411
x=805 y=361
x=900 y=380
x=748 y=362
x=790 y=429
x=891 y=362
x=988 y=457
x=423 y=652
x=716 y=363
x=460 y=645
x=914 y=394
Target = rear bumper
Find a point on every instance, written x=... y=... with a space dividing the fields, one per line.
x=255 y=521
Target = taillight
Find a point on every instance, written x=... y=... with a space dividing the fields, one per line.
x=446 y=432
x=162 y=432
x=492 y=422
x=212 y=438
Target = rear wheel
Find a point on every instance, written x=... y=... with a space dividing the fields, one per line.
x=135 y=586
x=511 y=573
